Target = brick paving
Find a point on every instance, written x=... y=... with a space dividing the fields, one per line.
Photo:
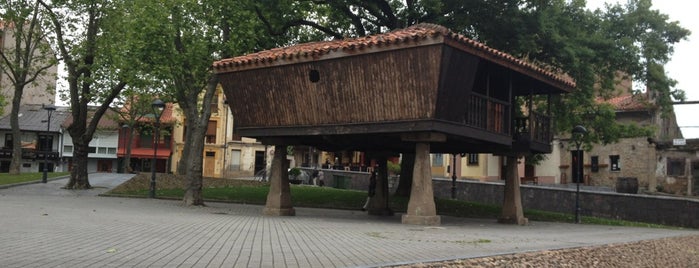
x=44 y=226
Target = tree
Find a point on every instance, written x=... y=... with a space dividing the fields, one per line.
x=86 y=34
x=131 y=107
x=181 y=39
x=592 y=47
x=26 y=61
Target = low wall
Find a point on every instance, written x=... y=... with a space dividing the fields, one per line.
x=675 y=211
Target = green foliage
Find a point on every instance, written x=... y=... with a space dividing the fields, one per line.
x=393 y=168
x=6 y=178
x=599 y=49
x=294 y=172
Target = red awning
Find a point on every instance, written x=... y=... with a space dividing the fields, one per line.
x=163 y=153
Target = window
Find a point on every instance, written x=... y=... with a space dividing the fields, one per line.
x=614 y=163
x=214 y=104
x=594 y=163
x=472 y=159
x=211 y=132
x=45 y=142
x=210 y=154
x=102 y=150
x=92 y=150
x=111 y=150
x=437 y=160
x=68 y=149
x=8 y=141
x=675 y=166
x=235 y=160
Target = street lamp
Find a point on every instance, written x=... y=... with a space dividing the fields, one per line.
x=158 y=106
x=453 y=176
x=49 y=110
x=578 y=133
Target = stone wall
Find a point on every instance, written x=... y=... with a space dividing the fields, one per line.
x=674 y=211
x=632 y=207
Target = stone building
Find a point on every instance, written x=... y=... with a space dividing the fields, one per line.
x=40 y=92
x=652 y=161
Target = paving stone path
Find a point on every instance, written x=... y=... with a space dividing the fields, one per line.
x=45 y=226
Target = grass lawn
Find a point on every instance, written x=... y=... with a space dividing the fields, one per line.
x=6 y=178
x=327 y=197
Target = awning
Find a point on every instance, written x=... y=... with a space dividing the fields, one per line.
x=163 y=153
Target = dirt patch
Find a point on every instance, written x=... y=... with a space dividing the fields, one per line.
x=171 y=181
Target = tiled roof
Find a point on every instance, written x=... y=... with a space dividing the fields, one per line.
x=32 y=117
x=420 y=34
x=628 y=103
x=107 y=122
x=166 y=118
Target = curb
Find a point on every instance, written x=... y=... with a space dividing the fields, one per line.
x=6 y=186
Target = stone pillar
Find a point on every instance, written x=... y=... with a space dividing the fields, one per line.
x=421 y=207
x=279 y=196
x=378 y=205
x=512 y=212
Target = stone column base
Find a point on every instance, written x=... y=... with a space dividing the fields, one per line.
x=421 y=220
x=279 y=212
x=520 y=221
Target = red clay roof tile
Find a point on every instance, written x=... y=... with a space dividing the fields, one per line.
x=627 y=103
x=411 y=36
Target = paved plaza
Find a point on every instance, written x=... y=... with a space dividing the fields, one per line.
x=45 y=226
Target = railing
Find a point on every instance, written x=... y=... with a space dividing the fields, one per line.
x=536 y=128
x=488 y=114
x=29 y=154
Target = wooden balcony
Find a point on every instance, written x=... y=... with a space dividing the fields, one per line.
x=532 y=134
x=488 y=114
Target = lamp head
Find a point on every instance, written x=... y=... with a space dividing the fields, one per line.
x=158 y=106
x=579 y=130
x=48 y=107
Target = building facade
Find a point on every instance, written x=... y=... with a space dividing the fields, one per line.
x=39 y=140
x=40 y=92
x=225 y=154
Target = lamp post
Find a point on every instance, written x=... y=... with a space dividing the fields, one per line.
x=453 y=176
x=578 y=133
x=49 y=110
x=126 y=129
x=158 y=106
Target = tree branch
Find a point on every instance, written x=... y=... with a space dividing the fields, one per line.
x=294 y=23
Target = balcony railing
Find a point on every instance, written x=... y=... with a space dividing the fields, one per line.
x=30 y=154
x=488 y=114
x=535 y=128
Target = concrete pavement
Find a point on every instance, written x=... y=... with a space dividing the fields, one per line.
x=45 y=226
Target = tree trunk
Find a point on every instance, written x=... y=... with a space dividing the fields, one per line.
x=405 y=182
x=16 y=133
x=127 y=157
x=78 y=171
x=182 y=165
x=193 y=193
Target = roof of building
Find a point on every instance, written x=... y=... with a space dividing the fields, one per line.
x=107 y=122
x=166 y=118
x=32 y=117
x=417 y=35
x=629 y=103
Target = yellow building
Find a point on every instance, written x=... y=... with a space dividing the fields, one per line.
x=482 y=167
x=225 y=154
